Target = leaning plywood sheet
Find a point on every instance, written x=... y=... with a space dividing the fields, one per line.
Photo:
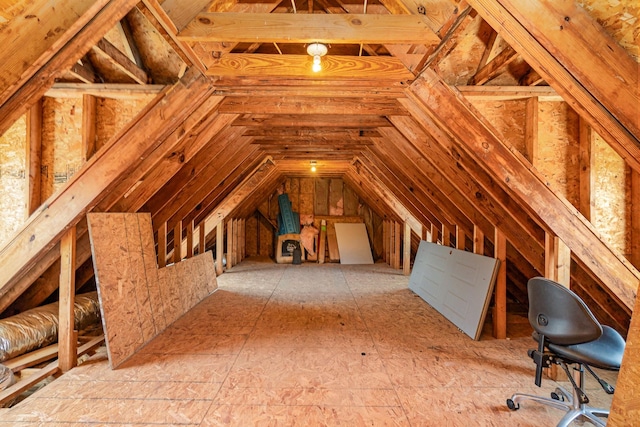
x=456 y=283
x=353 y=243
x=137 y=300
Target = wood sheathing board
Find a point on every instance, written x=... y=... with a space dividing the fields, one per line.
x=113 y=114
x=558 y=149
x=137 y=300
x=62 y=153
x=612 y=196
x=12 y=179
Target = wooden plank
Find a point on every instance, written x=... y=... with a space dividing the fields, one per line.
x=299 y=66
x=162 y=245
x=120 y=61
x=478 y=241
x=33 y=160
x=295 y=105
x=397 y=237
x=332 y=243
x=313 y=120
x=229 y=243
x=500 y=309
x=322 y=242
x=138 y=300
x=177 y=242
x=580 y=60
x=406 y=250
x=17 y=389
x=219 y=245
x=88 y=126
x=493 y=68
x=526 y=186
x=103 y=90
x=189 y=251
x=308 y=28
x=587 y=176
x=67 y=341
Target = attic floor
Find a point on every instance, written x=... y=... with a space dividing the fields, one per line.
x=309 y=345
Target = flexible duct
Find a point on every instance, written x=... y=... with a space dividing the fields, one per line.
x=38 y=327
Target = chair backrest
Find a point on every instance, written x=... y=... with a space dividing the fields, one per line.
x=559 y=314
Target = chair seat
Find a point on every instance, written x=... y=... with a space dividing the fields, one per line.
x=605 y=352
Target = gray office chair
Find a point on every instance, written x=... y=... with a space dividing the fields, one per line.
x=568 y=334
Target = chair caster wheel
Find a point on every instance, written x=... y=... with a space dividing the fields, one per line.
x=512 y=405
x=556 y=396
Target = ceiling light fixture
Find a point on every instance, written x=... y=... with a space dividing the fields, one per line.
x=317 y=50
x=313 y=165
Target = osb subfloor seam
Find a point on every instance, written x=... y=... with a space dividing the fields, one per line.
x=307 y=345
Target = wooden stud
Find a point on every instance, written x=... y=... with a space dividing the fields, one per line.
x=162 y=245
x=177 y=242
x=67 y=336
x=434 y=233
x=460 y=238
x=88 y=126
x=219 y=246
x=478 y=240
x=33 y=159
x=189 y=253
x=396 y=245
x=406 y=253
x=557 y=260
x=586 y=159
x=202 y=241
x=531 y=129
x=229 y=243
x=322 y=245
x=500 y=309
x=446 y=236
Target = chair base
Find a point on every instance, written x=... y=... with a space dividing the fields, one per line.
x=566 y=402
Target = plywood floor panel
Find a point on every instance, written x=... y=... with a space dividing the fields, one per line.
x=308 y=345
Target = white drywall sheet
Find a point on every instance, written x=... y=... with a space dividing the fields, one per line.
x=456 y=283
x=353 y=243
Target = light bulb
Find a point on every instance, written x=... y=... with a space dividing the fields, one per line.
x=317 y=66
x=313 y=168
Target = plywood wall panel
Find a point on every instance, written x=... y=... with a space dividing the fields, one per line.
x=13 y=173
x=558 y=149
x=138 y=300
x=62 y=154
x=507 y=117
x=113 y=114
x=321 y=199
x=612 y=213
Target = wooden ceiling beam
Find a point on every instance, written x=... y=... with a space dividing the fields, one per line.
x=494 y=68
x=378 y=68
x=120 y=61
x=308 y=28
x=311 y=133
x=103 y=90
x=313 y=121
x=297 y=105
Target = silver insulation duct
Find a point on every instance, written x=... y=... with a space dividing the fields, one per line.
x=38 y=327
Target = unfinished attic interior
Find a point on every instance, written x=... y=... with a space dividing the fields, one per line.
x=145 y=146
